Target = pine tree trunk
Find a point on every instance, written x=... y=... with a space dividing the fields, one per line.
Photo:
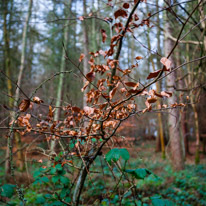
x=7 y=57
x=160 y=136
x=7 y=65
x=61 y=77
x=86 y=51
x=17 y=136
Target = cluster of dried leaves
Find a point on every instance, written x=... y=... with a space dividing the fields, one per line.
x=106 y=108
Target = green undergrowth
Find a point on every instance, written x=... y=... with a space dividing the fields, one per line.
x=154 y=182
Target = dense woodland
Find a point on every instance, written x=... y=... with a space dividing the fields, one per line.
x=102 y=102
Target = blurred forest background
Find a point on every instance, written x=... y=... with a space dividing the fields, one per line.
x=42 y=40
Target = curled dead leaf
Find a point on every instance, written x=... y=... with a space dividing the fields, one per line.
x=112 y=93
x=156 y=73
x=85 y=86
x=138 y=57
x=51 y=112
x=144 y=110
x=126 y=5
x=76 y=109
x=24 y=105
x=37 y=100
x=158 y=95
x=166 y=94
x=90 y=76
x=123 y=90
x=131 y=107
x=132 y=84
x=104 y=35
x=88 y=110
x=151 y=99
x=166 y=62
x=102 y=52
x=153 y=74
x=81 y=18
x=136 y=18
x=81 y=57
x=134 y=91
x=120 y=12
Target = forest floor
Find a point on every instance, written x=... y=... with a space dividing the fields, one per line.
x=184 y=188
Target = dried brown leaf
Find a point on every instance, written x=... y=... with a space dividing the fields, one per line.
x=90 y=76
x=138 y=57
x=88 y=110
x=81 y=57
x=166 y=94
x=81 y=18
x=51 y=112
x=112 y=93
x=24 y=105
x=136 y=18
x=104 y=35
x=134 y=91
x=121 y=13
x=85 y=86
x=151 y=99
x=123 y=90
x=153 y=74
x=126 y=5
x=166 y=62
x=132 y=84
x=76 y=109
x=37 y=100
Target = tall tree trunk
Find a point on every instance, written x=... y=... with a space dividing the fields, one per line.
x=160 y=135
x=23 y=52
x=94 y=33
x=203 y=24
x=61 y=77
x=7 y=57
x=86 y=50
x=17 y=92
x=184 y=128
x=160 y=145
x=191 y=83
x=175 y=138
x=85 y=166
x=197 y=134
x=182 y=115
x=7 y=65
